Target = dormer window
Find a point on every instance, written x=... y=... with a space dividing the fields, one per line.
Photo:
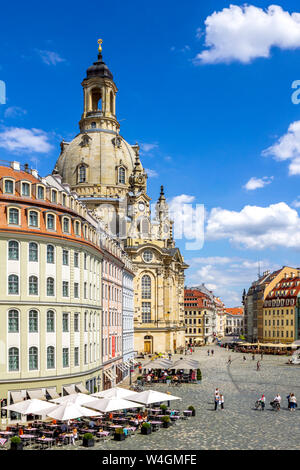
x=13 y=216
x=25 y=189
x=50 y=222
x=41 y=192
x=9 y=187
x=64 y=199
x=66 y=225
x=33 y=219
x=77 y=228
x=54 y=196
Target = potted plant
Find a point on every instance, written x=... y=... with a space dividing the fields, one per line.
x=192 y=409
x=88 y=440
x=146 y=428
x=16 y=443
x=163 y=408
x=119 y=434
x=199 y=375
x=166 y=421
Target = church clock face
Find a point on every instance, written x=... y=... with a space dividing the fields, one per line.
x=141 y=206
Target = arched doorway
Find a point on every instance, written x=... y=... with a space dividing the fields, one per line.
x=148 y=344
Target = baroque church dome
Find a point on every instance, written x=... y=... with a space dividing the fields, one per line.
x=98 y=162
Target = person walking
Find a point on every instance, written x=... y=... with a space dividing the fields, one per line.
x=292 y=402
x=229 y=360
x=253 y=357
x=208 y=352
x=244 y=358
x=212 y=352
x=261 y=356
x=217 y=398
x=221 y=401
x=258 y=366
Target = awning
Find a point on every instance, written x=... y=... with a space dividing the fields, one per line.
x=122 y=367
x=37 y=393
x=81 y=388
x=127 y=363
x=109 y=374
x=69 y=389
x=53 y=393
x=16 y=397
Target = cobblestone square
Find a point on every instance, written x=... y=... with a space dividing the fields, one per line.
x=239 y=426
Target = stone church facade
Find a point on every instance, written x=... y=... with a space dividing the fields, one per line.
x=107 y=174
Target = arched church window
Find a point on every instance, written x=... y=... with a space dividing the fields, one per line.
x=111 y=102
x=144 y=227
x=121 y=175
x=96 y=100
x=93 y=125
x=146 y=287
x=82 y=174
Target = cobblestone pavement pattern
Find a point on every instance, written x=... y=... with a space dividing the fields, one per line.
x=239 y=426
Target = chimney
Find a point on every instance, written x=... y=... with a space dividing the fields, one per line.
x=15 y=166
x=35 y=173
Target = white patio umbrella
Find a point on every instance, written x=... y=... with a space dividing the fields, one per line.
x=151 y=396
x=69 y=410
x=77 y=398
x=115 y=392
x=30 y=407
x=112 y=404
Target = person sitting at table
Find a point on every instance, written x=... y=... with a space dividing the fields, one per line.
x=145 y=415
x=63 y=427
x=110 y=416
x=21 y=432
x=54 y=421
x=74 y=436
x=56 y=434
x=91 y=424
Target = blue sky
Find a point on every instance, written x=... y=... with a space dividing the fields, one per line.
x=210 y=106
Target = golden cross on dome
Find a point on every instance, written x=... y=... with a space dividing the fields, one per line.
x=100 y=41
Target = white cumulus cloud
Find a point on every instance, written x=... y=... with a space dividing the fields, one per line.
x=254 y=227
x=255 y=183
x=243 y=33
x=16 y=139
x=288 y=148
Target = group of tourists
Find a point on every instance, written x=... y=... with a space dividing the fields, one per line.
x=219 y=399
x=292 y=402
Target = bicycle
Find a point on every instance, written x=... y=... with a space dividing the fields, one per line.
x=275 y=405
x=258 y=405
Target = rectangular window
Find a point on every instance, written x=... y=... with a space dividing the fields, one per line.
x=66 y=225
x=50 y=222
x=41 y=192
x=65 y=289
x=76 y=322
x=9 y=186
x=33 y=322
x=50 y=322
x=65 y=258
x=76 y=259
x=13 y=321
x=25 y=189
x=76 y=290
x=76 y=356
x=13 y=217
x=146 y=312
x=33 y=219
x=65 y=357
x=65 y=323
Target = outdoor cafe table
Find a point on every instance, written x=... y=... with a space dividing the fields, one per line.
x=27 y=437
x=103 y=433
x=7 y=433
x=46 y=442
x=155 y=424
x=187 y=412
